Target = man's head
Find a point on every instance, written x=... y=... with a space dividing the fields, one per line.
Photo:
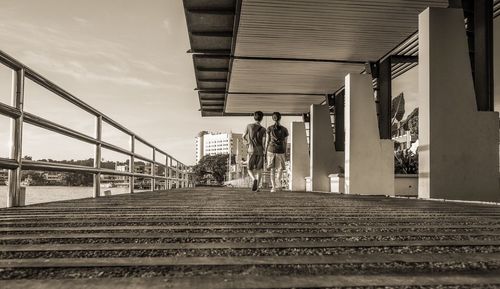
x=258 y=116
x=276 y=116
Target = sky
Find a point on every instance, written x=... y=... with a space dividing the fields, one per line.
x=128 y=59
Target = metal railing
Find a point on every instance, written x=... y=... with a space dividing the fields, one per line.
x=175 y=173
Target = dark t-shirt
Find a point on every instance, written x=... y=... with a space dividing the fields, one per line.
x=277 y=136
x=254 y=135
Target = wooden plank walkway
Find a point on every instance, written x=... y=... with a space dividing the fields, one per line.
x=228 y=238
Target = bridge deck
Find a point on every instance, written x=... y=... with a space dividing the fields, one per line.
x=203 y=238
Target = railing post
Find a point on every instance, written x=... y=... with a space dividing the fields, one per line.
x=132 y=164
x=16 y=138
x=153 y=180
x=97 y=157
x=167 y=173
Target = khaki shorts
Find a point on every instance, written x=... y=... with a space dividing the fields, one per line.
x=275 y=161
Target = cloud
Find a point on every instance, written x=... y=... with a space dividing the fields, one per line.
x=81 y=21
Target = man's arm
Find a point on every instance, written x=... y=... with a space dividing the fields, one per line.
x=245 y=136
x=266 y=140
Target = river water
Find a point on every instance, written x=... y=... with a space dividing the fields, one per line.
x=43 y=194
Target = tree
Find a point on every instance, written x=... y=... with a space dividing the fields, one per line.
x=211 y=167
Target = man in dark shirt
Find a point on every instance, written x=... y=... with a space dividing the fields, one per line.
x=254 y=137
x=276 y=148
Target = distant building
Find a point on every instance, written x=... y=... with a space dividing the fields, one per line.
x=53 y=177
x=209 y=143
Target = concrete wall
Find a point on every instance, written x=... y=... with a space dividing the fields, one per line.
x=458 y=153
x=325 y=160
x=299 y=157
x=369 y=161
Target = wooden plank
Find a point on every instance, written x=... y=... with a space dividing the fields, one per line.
x=245 y=260
x=249 y=227
x=242 y=245
x=262 y=282
x=238 y=235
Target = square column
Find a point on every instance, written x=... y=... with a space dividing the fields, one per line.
x=458 y=152
x=299 y=157
x=369 y=161
x=325 y=160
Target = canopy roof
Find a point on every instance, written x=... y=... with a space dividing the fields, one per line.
x=277 y=55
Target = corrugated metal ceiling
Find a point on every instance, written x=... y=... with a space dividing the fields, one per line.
x=327 y=29
x=258 y=54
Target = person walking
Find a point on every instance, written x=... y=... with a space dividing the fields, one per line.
x=276 y=148
x=254 y=137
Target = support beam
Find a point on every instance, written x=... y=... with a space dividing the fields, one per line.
x=483 y=54
x=325 y=160
x=385 y=98
x=16 y=138
x=458 y=151
x=369 y=161
x=299 y=157
x=340 y=121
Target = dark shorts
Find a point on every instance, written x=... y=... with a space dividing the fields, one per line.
x=255 y=161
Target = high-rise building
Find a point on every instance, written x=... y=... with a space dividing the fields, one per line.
x=210 y=143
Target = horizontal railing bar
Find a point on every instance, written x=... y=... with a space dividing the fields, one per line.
x=9 y=111
x=52 y=126
x=116 y=148
x=34 y=76
x=46 y=166
x=10 y=164
x=143 y=158
x=10 y=61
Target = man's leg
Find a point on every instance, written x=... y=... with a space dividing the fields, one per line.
x=272 y=176
x=251 y=174
x=258 y=174
x=280 y=174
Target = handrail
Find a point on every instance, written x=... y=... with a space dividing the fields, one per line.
x=15 y=163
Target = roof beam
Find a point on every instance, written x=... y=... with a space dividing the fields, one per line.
x=213 y=33
x=255 y=93
x=297 y=59
x=211 y=11
x=404 y=59
x=212 y=79
x=208 y=69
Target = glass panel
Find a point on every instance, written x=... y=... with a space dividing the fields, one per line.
x=142 y=167
x=3 y=188
x=43 y=103
x=5 y=84
x=114 y=185
x=112 y=135
x=42 y=187
x=143 y=150
x=142 y=184
x=4 y=136
x=114 y=160
x=160 y=185
x=160 y=158
x=43 y=145
x=159 y=170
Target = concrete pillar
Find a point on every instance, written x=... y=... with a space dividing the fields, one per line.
x=325 y=160
x=369 y=161
x=458 y=152
x=299 y=157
